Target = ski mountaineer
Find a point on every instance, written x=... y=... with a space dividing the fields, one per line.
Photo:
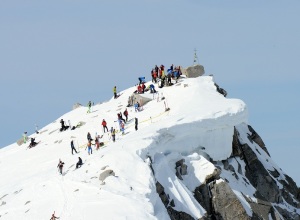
x=73 y=147
x=136 y=123
x=25 y=138
x=122 y=128
x=89 y=137
x=89 y=107
x=120 y=118
x=89 y=146
x=97 y=144
x=60 y=166
x=115 y=92
x=63 y=127
x=126 y=114
x=113 y=134
x=36 y=129
x=79 y=163
x=53 y=217
x=32 y=143
x=152 y=89
x=104 y=124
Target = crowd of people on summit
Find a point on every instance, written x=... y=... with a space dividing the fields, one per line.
x=159 y=77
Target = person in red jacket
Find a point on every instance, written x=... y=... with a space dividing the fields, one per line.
x=104 y=124
x=126 y=114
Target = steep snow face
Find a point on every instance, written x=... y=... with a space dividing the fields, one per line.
x=200 y=119
x=198 y=126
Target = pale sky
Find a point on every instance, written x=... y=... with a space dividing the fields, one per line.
x=54 y=54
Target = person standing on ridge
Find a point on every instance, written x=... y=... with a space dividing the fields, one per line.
x=104 y=124
x=89 y=146
x=89 y=107
x=73 y=147
x=89 y=137
x=60 y=166
x=25 y=138
x=120 y=118
x=126 y=114
x=115 y=92
x=113 y=134
x=136 y=123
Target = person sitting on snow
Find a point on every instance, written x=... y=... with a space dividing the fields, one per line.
x=32 y=143
x=63 y=127
x=137 y=107
x=79 y=163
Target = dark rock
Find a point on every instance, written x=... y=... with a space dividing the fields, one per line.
x=202 y=195
x=172 y=203
x=287 y=214
x=257 y=139
x=179 y=163
x=236 y=150
x=256 y=174
x=274 y=173
x=175 y=215
x=183 y=169
x=178 y=173
x=159 y=188
x=226 y=204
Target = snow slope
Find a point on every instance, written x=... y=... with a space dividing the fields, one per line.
x=198 y=127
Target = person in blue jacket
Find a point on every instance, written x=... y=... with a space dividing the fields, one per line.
x=152 y=89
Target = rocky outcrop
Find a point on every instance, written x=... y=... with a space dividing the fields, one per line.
x=257 y=139
x=276 y=195
x=181 y=169
x=259 y=177
x=106 y=174
x=193 y=71
x=174 y=215
x=76 y=105
x=226 y=204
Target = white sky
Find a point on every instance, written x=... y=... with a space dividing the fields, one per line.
x=56 y=53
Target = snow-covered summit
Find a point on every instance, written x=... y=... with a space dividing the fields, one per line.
x=137 y=177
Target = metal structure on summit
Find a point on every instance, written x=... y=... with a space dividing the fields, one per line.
x=196 y=61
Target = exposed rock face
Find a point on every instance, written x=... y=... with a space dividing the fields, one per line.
x=226 y=204
x=257 y=139
x=275 y=196
x=174 y=215
x=259 y=177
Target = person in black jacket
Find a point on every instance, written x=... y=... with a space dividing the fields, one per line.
x=89 y=137
x=60 y=166
x=136 y=123
x=79 y=163
x=73 y=147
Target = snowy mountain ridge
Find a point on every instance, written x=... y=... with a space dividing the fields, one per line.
x=199 y=160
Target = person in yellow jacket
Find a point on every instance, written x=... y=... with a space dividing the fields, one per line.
x=115 y=92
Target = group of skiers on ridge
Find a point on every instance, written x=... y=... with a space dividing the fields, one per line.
x=156 y=72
